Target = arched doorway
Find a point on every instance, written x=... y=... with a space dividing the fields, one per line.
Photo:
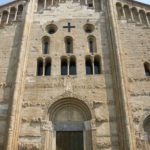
x=72 y=127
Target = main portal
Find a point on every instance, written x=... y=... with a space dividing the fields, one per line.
x=69 y=140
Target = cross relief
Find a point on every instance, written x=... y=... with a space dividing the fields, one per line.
x=69 y=27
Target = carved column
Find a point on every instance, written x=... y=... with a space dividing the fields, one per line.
x=147 y=21
x=8 y=16
x=15 y=18
x=90 y=135
x=47 y=129
x=68 y=65
x=44 y=65
x=93 y=69
x=45 y=4
x=1 y=15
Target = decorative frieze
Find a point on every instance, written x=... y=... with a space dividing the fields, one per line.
x=140 y=93
x=46 y=125
x=29 y=146
x=138 y=79
x=33 y=104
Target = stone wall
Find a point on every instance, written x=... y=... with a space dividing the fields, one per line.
x=134 y=42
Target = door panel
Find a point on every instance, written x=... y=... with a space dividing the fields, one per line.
x=70 y=140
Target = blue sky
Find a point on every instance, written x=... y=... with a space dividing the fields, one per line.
x=6 y=1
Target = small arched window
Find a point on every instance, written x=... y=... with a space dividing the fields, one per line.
x=40 y=67
x=92 y=44
x=12 y=14
x=143 y=17
x=20 y=11
x=148 y=17
x=147 y=68
x=97 y=68
x=56 y=2
x=89 y=66
x=146 y=126
x=47 y=67
x=119 y=10
x=135 y=15
x=72 y=66
x=64 y=66
x=127 y=12
x=69 y=44
x=40 y=5
x=45 y=45
x=90 y=3
x=48 y=3
x=4 y=17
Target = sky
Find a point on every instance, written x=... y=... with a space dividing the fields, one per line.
x=6 y=1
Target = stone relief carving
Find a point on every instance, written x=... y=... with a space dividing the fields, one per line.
x=136 y=119
x=138 y=79
x=46 y=125
x=68 y=84
x=29 y=146
x=5 y=85
x=103 y=144
x=33 y=104
x=101 y=119
x=139 y=93
x=97 y=104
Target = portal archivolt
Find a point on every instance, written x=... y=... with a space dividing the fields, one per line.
x=71 y=120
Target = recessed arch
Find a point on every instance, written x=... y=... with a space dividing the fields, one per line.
x=12 y=14
x=72 y=102
x=143 y=17
x=127 y=12
x=135 y=14
x=147 y=68
x=20 y=11
x=4 y=17
x=146 y=127
x=119 y=10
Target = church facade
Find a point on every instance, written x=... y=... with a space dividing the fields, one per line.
x=74 y=75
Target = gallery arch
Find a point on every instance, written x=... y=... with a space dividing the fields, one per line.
x=70 y=119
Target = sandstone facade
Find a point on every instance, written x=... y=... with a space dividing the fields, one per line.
x=75 y=65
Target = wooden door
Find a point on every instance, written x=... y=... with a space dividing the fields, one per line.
x=69 y=140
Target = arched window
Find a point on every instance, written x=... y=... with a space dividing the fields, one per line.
x=92 y=44
x=40 y=5
x=47 y=67
x=97 y=69
x=48 y=3
x=45 y=45
x=64 y=66
x=40 y=67
x=72 y=66
x=90 y=3
x=20 y=10
x=148 y=17
x=146 y=126
x=89 y=66
x=135 y=15
x=12 y=14
x=147 y=68
x=4 y=17
x=56 y=2
x=119 y=10
x=143 y=17
x=127 y=12
x=69 y=44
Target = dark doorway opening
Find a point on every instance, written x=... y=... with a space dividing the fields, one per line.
x=69 y=140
